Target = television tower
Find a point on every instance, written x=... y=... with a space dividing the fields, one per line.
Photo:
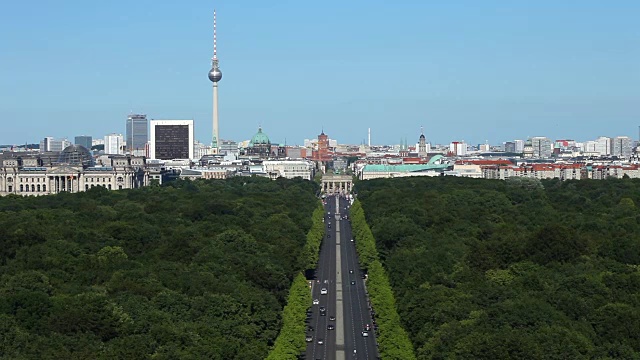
x=215 y=75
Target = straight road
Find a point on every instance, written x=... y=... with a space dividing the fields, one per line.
x=356 y=308
x=346 y=298
x=325 y=277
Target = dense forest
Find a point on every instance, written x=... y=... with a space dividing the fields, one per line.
x=517 y=269
x=191 y=270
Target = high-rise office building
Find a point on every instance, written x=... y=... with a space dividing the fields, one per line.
x=171 y=139
x=114 y=144
x=458 y=148
x=137 y=134
x=519 y=146
x=50 y=144
x=622 y=147
x=45 y=143
x=510 y=147
x=84 y=140
x=603 y=145
x=542 y=146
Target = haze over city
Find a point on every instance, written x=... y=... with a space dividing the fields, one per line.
x=463 y=70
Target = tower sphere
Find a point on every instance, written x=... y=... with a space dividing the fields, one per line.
x=215 y=75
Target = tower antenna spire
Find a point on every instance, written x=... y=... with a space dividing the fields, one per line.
x=215 y=40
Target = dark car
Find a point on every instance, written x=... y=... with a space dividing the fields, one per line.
x=332 y=318
x=353 y=282
x=330 y=327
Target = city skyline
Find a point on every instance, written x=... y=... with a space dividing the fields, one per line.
x=463 y=71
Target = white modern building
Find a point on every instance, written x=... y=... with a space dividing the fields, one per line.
x=622 y=147
x=542 y=146
x=289 y=168
x=114 y=144
x=171 y=139
x=53 y=145
x=603 y=145
x=458 y=148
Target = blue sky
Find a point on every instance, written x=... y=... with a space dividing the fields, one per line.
x=465 y=70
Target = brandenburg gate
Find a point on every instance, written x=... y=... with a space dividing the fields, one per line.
x=336 y=184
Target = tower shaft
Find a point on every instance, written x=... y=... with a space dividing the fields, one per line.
x=215 y=143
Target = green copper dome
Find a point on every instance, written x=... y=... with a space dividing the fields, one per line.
x=260 y=138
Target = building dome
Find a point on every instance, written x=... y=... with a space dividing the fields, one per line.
x=260 y=138
x=76 y=155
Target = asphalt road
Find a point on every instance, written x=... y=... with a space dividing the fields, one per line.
x=337 y=268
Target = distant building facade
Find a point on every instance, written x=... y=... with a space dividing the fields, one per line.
x=622 y=147
x=50 y=144
x=603 y=145
x=288 y=169
x=72 y=171
x=542 y=146
x=171 y=139
x=137 y=134
x=458 y=148
x=423 y=146
x=114 y=144
x=84 y=141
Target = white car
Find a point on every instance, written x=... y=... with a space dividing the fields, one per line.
x=323 y=291
x=365 y=333
x=316 y=301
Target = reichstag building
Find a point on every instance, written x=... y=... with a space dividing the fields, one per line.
x=72 y=170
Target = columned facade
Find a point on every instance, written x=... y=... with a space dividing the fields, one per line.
x=337 y=184
x=125 y=172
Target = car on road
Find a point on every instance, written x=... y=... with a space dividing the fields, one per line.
x=367 y=327
x=323 y=309
x=332 y=318
x=316 y=302
x=350 y=271
x=365 y=333
x=309 y=338
x=320 y=341
x=310 y=328
x=323 y=291
x=351 y=240
x=353 y=282
x=330 y=327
